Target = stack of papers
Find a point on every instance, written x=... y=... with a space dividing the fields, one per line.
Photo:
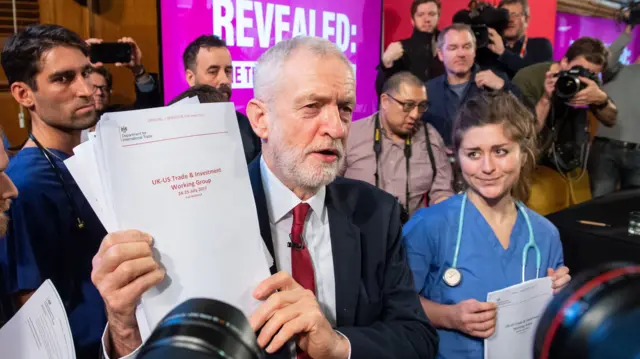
x=179 y=174
x=519 y=310
x=40 y=329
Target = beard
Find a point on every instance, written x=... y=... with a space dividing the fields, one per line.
x=225 y=89
x=4 y=219
x=291 y=162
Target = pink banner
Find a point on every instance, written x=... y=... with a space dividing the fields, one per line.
x=251 y=27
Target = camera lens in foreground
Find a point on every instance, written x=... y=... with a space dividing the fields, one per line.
x=201 y=329
x=595 y=317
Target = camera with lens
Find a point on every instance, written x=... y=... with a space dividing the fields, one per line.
x=202 y=329
x=569 y=83
x=481 y=16
x=595 y=316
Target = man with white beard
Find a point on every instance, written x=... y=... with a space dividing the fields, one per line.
x=340 y=286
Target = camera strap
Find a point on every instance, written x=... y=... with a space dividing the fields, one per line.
x=377 y=149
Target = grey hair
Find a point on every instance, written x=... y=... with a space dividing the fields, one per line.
x=268 y=69
x=455 y=27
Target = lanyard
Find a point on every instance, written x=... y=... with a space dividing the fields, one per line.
x=523 y=50
x=56 y=170
x=530 y=244
x=377 y=149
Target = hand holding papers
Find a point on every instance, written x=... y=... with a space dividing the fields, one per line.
x=519 y=310
x=40 y=329
x=179 y=174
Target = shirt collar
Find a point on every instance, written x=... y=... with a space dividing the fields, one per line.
x=281 y=200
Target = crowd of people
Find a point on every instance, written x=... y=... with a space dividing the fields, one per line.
x=409 y=216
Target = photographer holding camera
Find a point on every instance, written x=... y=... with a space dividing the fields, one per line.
x=514 y=49
x=501 y=35
x=563 y=93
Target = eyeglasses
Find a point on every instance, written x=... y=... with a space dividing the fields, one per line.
x=410 y=105
x=516 y=14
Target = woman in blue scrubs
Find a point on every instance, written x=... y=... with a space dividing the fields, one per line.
x=484 y=239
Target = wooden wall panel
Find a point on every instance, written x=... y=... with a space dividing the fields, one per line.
x=110 y=20
x=588 y=8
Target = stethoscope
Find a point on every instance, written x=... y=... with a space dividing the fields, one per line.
x=452 y=276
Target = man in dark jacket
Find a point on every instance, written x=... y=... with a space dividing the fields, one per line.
x=416 y=54
x=514 y=50
x=207 y=61
x=463 y=79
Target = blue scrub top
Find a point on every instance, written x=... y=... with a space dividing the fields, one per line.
x=43 y=242
x=430 y=237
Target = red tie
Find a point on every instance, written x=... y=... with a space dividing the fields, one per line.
x=301 y=264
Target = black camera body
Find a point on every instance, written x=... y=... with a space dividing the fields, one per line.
x=569 y=83
x=481 y=16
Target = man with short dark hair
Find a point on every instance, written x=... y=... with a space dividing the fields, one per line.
x=563 y=124
x=397 y=152
x=207 y=61
x=53 y=233
x=416 y=54
x=102 y=81
x=513 y=49
x=463 y=78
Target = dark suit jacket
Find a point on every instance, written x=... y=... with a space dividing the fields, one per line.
x=250 y=142
x=419 y=58
x=539 y=49
x=377 y=305
x=144 y=100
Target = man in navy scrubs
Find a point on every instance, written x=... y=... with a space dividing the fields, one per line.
x=52 y=233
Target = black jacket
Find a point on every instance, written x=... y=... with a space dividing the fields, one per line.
x=538 y=50
x=378 y=308
x=250 y=142
x=419 y=58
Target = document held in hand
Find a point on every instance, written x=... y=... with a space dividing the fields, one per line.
x=40 y=329
x=179 y=174
x=519 y=310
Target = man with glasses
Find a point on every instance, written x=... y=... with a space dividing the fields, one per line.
x=146 y=84
x=463 y=79
x=514 y=50
x=395 y=151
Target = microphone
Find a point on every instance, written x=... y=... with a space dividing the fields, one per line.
x=296 y=246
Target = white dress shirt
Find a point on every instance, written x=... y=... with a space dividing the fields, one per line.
x=316 y=235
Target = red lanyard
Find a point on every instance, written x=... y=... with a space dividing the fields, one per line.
x=523 y=50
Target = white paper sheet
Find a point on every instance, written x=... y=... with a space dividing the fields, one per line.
x=519 y=310
x=179 y=173
x=39 y=330
x=194 y=100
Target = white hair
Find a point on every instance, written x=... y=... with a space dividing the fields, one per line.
x=269 y=66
